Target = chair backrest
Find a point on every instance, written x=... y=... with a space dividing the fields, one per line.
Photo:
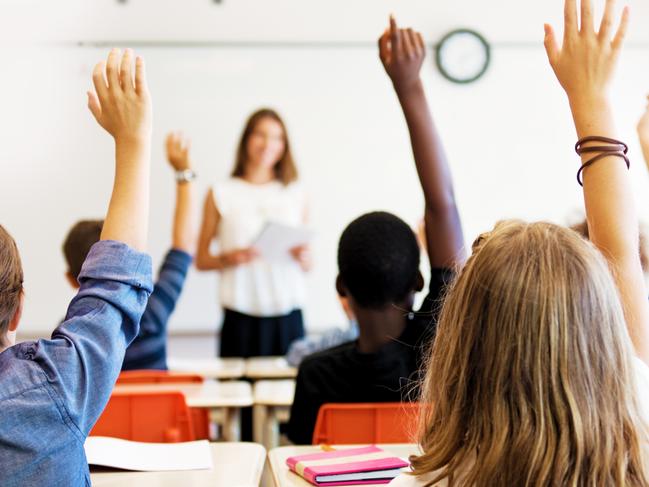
x=366 y=423
x=200 y=416
x=156 y=376
x=156 y=417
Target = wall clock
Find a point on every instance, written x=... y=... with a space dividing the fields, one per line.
x=463 y=56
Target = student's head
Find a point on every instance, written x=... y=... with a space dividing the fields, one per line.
x=378 y=262
x=530 y=377
x=11 y=287
x=582 y=229
x=82 y=236
x=264 y=144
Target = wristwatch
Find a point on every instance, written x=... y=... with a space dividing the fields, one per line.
x=185 y=176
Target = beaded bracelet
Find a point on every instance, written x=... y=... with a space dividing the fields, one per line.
x=617 y=149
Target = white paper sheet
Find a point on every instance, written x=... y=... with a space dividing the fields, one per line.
x=148 y=457
x=275 y=240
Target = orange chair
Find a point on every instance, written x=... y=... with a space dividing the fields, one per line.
x=200 y=417
x=366 y=423
x=156 y=417
x=156 y=377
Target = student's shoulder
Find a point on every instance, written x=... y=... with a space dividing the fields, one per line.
x=327 y=359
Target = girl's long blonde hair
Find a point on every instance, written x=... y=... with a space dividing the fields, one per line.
x=530 y=380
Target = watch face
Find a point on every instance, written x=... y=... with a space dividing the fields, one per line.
x=463 y=56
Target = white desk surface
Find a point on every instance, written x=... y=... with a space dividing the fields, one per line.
x=210 y=368
x=209 y=394
x=274 y=392
x=283 y=477
x=235 y=465
x=269 y=368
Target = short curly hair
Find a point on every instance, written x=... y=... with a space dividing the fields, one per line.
x=378 y=259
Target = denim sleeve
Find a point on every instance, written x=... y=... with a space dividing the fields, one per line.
x=84 y=355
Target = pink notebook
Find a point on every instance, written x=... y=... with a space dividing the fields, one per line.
x=351 y=466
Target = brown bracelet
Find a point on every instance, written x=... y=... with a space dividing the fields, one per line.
x=597 y=158
x=594 y=138
x=617 y=149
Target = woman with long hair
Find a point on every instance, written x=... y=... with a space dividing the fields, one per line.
x=261 y=298
x=538 y=374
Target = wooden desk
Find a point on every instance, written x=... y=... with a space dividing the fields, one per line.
x=283 y=477
x=235 y=464
x=210 y=368
x=223 y=399
x=272 y=405
x=269 y=368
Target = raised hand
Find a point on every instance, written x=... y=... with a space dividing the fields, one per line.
x=402 y=53
x=585 y=63
x=121 y=103
x=177 y=146
x=643 y=126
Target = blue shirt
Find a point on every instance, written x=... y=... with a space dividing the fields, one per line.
x=53 y=391
x=149 y=349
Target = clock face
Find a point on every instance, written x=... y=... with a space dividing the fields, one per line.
x=463 y=56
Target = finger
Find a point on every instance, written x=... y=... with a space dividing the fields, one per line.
x=99 y=80
x=551 y=44
x=421 y=45
x=141 y=86
x=586 y=17
x=606 y=25
x=408 y=47
x=94 y=106
x=126 y=71
x=570 y=19
x=395 y=36
x=618 y=40
x=384 y=47
x=112 y=70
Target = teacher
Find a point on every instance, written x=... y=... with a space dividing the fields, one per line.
x=261 y=299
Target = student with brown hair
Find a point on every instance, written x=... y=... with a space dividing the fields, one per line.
x=538 y=374
x=52 y=391
x=261 y=298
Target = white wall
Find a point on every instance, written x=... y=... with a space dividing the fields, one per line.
x=509 y=136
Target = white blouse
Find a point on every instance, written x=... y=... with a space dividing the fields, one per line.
x=642 y=383
x=261 y=287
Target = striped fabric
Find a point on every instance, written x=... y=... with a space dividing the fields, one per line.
x=149 y=349
x=314 y=466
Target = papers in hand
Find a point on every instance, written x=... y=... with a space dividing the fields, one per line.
x=276 y=240
x=148 y=457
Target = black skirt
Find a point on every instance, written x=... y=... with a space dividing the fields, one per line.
x=243 y=335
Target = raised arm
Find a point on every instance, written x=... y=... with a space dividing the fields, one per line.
x=584 y=66
x=184 y=229
x=402 y=53
x=643 y=134
x=122 y=106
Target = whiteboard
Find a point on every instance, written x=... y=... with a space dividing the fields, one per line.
x=509 y=140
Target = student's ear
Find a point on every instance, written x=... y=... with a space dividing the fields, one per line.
x=340 y=287
x=13 y=324
x=419 y=282
x=71 y=280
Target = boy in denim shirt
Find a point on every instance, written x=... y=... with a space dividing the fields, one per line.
x=53 y=391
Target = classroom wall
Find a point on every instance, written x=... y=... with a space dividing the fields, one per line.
x=509 y=136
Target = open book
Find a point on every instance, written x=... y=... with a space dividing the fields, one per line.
x=148 y=457
x=352 y=466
